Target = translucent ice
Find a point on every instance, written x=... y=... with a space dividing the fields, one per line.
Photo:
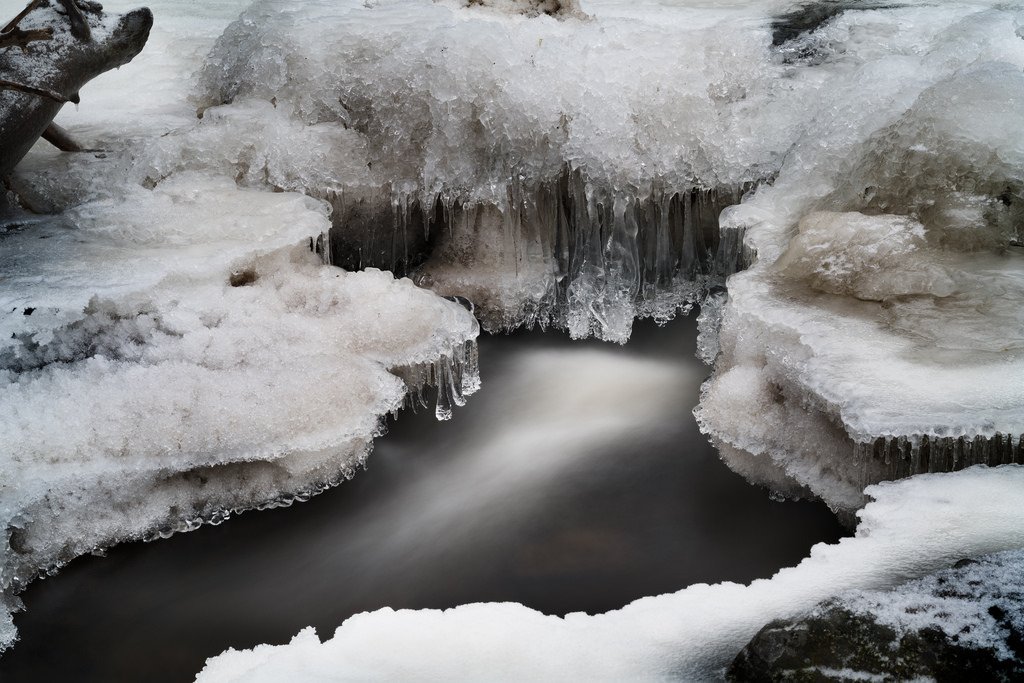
x=521 y=157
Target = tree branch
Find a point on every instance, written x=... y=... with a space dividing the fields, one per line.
x=15 y=37
x=79 y=24
x=61 y=139
x=42 y=92
x=14 y=22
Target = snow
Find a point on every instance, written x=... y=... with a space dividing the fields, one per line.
x=548 y=200
x=172 y=351
x=912 y=528
x=963 y=603
x=170 y=348
x=878 y=333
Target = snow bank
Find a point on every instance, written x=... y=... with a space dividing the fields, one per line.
x=879 y=333
x=172 y=350
x=912 y=528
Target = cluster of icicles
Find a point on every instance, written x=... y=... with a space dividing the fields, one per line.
x=901 y=457
x=569 y=253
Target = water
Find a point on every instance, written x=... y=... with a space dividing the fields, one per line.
x=575 y=481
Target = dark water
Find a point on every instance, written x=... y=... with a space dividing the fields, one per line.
x=575 y=481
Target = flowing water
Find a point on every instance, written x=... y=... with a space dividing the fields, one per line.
x=575 y=481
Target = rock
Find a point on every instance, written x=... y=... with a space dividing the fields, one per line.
x=964 y=623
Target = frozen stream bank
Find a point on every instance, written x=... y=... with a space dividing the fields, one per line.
x=576 y=481
x=173 y=346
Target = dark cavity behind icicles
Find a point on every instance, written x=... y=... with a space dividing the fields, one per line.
x=810 y=16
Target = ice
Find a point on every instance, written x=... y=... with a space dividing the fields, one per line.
x=873 y=258
x=159 y=409
x=554 y=174
x=905 y=533
x=490 y=147
x=878 y=332
x=173 y=349
x=528 y=8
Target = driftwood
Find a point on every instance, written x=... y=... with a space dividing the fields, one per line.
x=59 y=138
x=47 y=53
x=15 y=37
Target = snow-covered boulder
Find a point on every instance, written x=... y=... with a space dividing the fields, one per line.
x=963 y=623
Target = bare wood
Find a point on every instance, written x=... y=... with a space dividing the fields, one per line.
x=61 y=139
x=14 y=22
x=79 y=24
x=42 y=92
x=18 y=38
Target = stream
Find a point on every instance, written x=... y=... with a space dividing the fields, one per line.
x=576 y=480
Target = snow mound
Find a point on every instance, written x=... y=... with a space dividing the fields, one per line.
x=486 y=144
x=174 y=350
x=880 y=331
x=976 y=605
x=912 y=528
x=960 y=623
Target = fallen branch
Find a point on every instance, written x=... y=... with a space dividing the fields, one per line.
x=79 y=24
x=16 y=20
x=15 y=37
x=42 y=92
x=61 y=139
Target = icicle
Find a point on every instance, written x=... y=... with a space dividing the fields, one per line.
x=570 y=253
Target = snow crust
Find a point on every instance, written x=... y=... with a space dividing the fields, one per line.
x=172 y=349
x=912 y=528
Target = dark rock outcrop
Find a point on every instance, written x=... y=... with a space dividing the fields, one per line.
x=961 y=624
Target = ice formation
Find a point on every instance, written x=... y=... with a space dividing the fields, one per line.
x=172 y=350
x=913 y=527
x=879 y=331
x=520 y=161
x=553 y=172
